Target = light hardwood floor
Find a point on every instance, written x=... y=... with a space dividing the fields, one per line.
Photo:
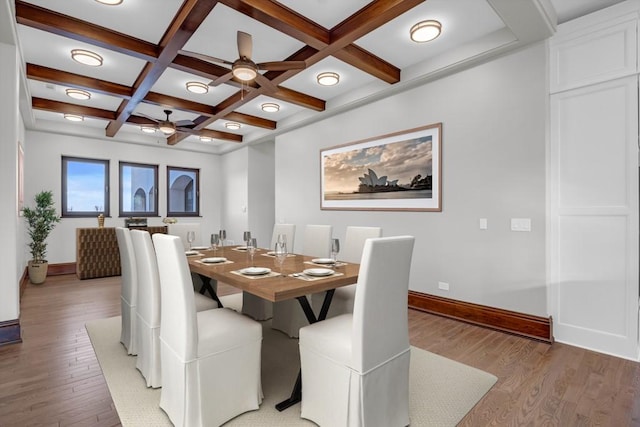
x=53 y=378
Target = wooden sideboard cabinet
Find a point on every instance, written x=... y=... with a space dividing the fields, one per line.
x=97 y=253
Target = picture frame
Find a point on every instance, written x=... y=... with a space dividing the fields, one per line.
x=400 y=171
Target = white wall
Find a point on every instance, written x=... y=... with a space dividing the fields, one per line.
x=494 y=120
x=43 y=172
x=261 y=176
x=12 y=130
x=234 y=204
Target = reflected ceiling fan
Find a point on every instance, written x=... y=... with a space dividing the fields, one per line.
x=168 y=127
x=243 y=68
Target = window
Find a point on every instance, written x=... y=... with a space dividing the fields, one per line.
x=183 y=191
x=138 y=189
x=85 y=187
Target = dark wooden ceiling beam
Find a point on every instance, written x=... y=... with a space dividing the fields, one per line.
x=247 y=119
x=209 y=71
x=372 y=16
x=63 y=78
x=186 y=22
x=179 y=104
x=301 y=28
x=65 y=107
x=76 y=29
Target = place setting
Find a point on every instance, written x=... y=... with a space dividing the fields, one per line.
x=214 y=261
x=255 y=272
x=311 y=274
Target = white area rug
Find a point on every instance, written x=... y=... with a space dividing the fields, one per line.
x=442 y=391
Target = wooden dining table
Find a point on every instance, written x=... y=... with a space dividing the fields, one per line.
x=278 y=285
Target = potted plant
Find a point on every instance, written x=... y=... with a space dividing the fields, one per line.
x=40 y=222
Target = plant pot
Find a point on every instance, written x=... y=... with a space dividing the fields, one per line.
x=38 y=272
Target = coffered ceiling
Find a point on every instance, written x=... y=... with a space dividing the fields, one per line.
x=145 y=67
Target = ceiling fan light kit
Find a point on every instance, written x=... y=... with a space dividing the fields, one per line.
x=86 y=57
x=425 y=31
x=232 y=125
x=73 y=117
x=197 y=87
x=244 y=70
x=328 y=79
x=82 y=95
x=167 y=128
x=270 y=107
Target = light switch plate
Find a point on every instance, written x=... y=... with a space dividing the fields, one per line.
x=483 y=224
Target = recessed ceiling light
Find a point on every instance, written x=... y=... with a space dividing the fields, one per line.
x=425 y=31
x=110 y=2
x=232 y=125
x=148 y=129
x=206 y=139
x=328 y=79
x=73 y=117
x=197 y=87
x=86 y=57
x=270 y=107
x=78 y=94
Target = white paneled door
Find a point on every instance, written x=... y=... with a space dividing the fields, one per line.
x=594 y=222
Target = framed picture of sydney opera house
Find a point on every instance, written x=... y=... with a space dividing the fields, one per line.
x=398 y=171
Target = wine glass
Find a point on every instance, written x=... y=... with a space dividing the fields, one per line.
x=191 y=236
x=280 y=252
x=223 y=237
x=335 y=248
x=246 y=236
x=282 y=238
x=252 y=245
x=215 y=242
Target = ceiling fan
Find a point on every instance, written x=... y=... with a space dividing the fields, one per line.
x=243 y=68
x=168 y=127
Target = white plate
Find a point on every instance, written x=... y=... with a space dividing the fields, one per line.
x=213 y=260
x=322 y=261
x=199 y=248
x=188 y=253
x=318 y=272
x=271 y=253
x=241 y=248
x=255 y=271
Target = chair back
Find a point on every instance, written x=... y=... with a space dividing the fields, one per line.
x=181 y=230
x=128 y=268
x=354 y=242
x=317 y=240
x=178 y=323
x=148 y=280
x=380 y=319
x=288 y=230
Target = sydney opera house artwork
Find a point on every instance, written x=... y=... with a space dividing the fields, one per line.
x=393 y=172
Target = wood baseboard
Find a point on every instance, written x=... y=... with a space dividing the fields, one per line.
x=60 y=269
x=535 y=327
x=10 y=332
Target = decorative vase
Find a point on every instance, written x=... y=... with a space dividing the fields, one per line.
x=38 y=272
x=101 y=221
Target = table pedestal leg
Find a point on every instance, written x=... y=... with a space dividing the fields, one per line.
x=209 y=285
x=296 y=393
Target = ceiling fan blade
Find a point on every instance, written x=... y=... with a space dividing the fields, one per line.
x=183 y=123
x=282 y=65
x=187 y=130
x=265 y=82
x=222 y=79
x=203 y=57
x=245 y=45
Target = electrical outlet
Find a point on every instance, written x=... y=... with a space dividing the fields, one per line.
x=520 y=224
x=443 y=285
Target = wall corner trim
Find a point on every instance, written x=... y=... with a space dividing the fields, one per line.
x=526 y=325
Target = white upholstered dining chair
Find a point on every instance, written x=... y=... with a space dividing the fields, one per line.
x=210 y=359
x=148 y=308
x=288 y=316
x=355 y=367
x=344 y=297
x=256 y=307
x=128 y=290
